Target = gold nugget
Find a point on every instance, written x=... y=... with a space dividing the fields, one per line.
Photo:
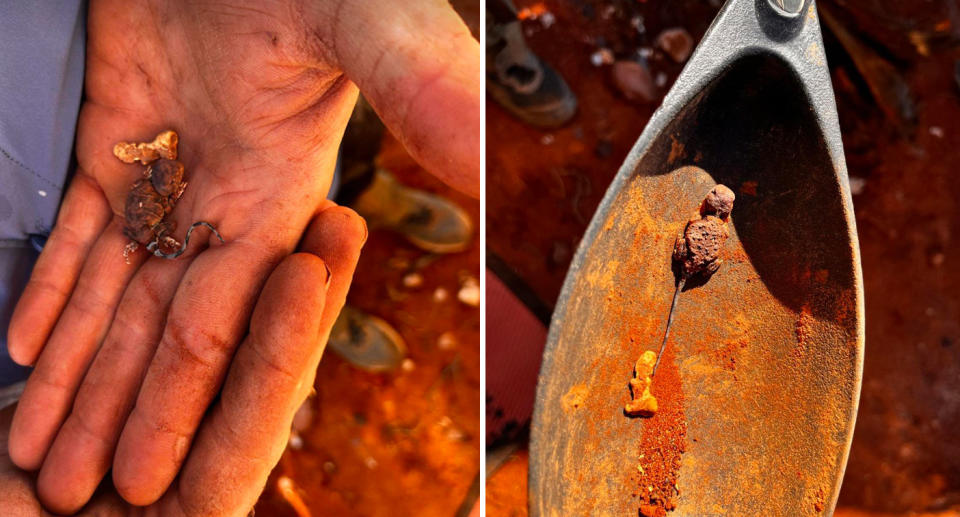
x=163 y=146
x=644 y=403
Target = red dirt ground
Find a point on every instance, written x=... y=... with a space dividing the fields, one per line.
x=408 y=442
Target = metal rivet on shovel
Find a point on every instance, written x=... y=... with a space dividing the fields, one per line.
x=789 y=8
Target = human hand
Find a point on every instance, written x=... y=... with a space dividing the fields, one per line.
x=244 y=434
x=131 y=356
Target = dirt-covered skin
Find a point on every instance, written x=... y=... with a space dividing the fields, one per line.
x=300 y=300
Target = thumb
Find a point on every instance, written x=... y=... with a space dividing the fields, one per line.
x=420 y=68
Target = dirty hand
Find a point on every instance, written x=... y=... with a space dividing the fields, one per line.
x=243 y=435
x=129 y=356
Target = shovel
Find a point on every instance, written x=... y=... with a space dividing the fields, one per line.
x=769 y=350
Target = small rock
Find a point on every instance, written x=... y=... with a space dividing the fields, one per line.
x=412 y=280
x=296 y=442
x=603 y=56
x=547 y=19
x=329 y=467
x=634 y=81
x=857 y=185
x=936 y=131
x=408 y=365
x=440 y=295
x=676 y=42
x=447 y=341
x=661 y=80
x=370 y=462
x=455 y=435
x=546 y=139
x=469 y=293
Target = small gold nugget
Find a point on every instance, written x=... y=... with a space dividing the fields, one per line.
x=644 y=403
x=163 y=146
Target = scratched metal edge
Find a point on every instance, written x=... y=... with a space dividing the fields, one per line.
x=724 y=43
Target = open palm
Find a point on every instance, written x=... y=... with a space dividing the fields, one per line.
x=246 y=430
x=129 y=357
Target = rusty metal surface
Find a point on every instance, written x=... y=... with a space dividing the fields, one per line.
x=770 y=349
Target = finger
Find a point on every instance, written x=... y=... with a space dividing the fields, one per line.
x=207 y=319
x=420 y=69
x=16 y=487
x=83 y=324
x=246 y=433
x=336 y=235
x=84 y=215
x=83 y=449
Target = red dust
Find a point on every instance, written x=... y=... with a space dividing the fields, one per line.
x=662 y=443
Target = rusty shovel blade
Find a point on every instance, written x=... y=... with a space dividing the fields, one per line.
x=770 y=350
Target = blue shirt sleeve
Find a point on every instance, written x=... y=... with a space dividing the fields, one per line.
x=41 y=83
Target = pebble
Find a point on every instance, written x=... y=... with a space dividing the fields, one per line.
x=676 y=42
x=440 y=295
x=469 y=293
x=412 y=280
x=857 y=185
x=603 y=56
x=547 y=19
x=634 y=81
x=296 y=442
x=447 y=341
x=661 y=80
x=455 y=435
x=408 y=365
